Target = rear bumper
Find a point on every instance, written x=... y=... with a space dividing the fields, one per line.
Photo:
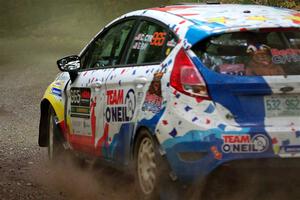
x=194 y=160
x=264 y=163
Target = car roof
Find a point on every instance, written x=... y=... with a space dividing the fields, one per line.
x=234 y=15
x=195 y=22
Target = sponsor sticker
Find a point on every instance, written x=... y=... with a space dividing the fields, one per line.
x=171 y=43
x=56 y=92
x=80 y=102
x=233 y=69
x=142 y=41
x=120 y=107
x=285 y=56
x=153 y=99
x=152 y=103
x=81 y=126
x=244 y=143
x=290 y=149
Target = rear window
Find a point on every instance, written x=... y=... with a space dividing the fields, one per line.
x=266 y=52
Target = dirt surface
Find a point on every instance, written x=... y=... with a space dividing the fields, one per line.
x=27 y=66
x=25 y=172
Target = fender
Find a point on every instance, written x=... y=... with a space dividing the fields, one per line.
x=55 y=97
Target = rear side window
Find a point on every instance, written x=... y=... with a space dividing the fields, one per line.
x=267 y=52
x=148 y=44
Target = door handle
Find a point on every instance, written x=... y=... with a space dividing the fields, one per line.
x=96 y=84
x=140 y=82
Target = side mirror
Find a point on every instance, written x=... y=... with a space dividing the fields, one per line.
x=69 y=64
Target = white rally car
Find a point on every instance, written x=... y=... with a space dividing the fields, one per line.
x=189 y=87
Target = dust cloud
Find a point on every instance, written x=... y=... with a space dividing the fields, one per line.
x=72 y=179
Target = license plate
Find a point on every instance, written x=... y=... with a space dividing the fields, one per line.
x=282 y=105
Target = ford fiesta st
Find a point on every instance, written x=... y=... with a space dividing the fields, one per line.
x=189 y=87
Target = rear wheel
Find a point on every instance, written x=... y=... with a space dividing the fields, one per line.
x=152 y=174
x=147 y=163
x=146 y=166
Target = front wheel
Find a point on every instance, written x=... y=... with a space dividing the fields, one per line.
x=55 y=146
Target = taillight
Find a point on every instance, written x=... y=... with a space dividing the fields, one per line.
x=186 y=78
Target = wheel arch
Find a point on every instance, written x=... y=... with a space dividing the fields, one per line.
x=43 y=127
x=46 y=103
x=137 y=132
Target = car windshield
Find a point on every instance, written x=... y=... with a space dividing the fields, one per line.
x=267 y=52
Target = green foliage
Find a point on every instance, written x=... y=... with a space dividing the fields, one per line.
x=64 y=18
x=284 y=3
x=278 y=3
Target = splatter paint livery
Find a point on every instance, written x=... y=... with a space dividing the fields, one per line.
x=103 y=109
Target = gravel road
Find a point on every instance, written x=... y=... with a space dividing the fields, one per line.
x=27 y=67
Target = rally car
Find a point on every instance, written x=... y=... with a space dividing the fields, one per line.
x=189 y=87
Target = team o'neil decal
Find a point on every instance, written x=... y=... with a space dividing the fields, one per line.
x=244 y=143
x=120 y=107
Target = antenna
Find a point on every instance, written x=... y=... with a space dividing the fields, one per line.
x=198 y=2
x=212 y=2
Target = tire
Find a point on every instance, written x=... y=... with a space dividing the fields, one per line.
x=55 y=144
x=147 y=167
x=57 y=153
x=150 y=163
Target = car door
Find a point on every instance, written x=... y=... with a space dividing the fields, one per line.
x=87 y=92
x=132 y=83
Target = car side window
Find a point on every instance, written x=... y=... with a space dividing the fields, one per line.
x=148 y=44
x=171 y=43
x=107 y=49
x=84 y=59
